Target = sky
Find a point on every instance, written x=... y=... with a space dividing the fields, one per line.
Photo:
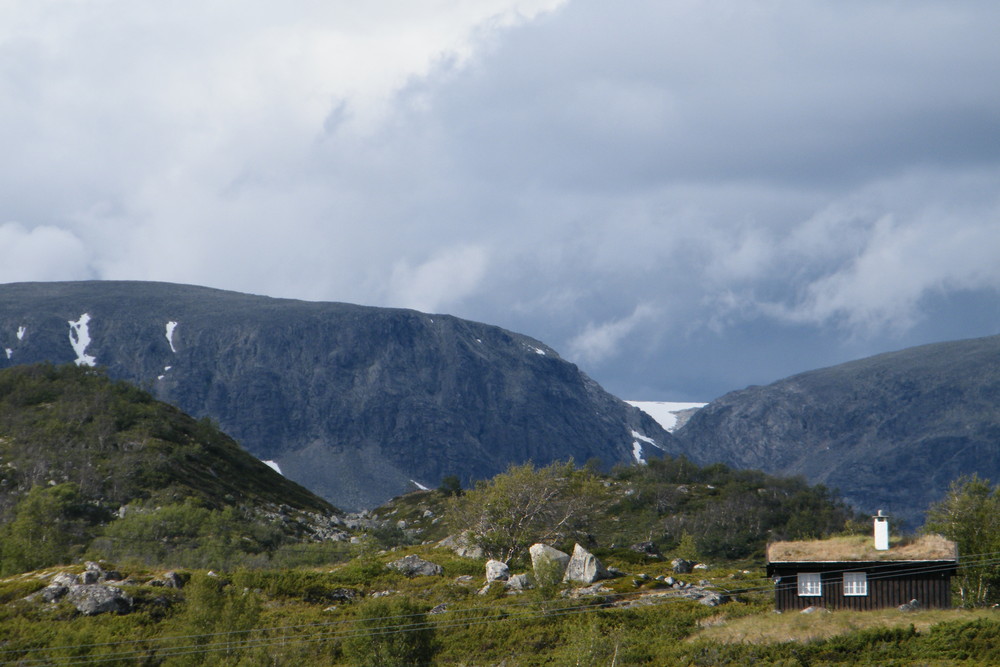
x=683 y=197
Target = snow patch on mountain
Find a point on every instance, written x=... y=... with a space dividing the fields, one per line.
x=419 y=485
x=10 y=352
x=170 y=335
x=79 y=338
x=273 y=465
x=670 y=415
x=637 y=452
x=20 y=333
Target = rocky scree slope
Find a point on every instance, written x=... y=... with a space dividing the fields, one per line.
x=890 y=431
x=358 y=404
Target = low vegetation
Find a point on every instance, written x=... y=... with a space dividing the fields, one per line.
x=259 y=588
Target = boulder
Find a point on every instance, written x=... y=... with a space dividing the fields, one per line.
x=713 y=599
x=497 y=571
x=584 y=568
x=912 y=605
x=682 y=566
x=51 y=593
x=415 y=566
x=544 y=558
x=93 y=599
x=65 y=579
x=462 y=546
x=647 y=548
x=520 y=582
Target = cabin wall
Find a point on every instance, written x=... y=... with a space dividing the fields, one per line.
x=885 y=590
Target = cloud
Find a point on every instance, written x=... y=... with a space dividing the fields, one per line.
x=599 y=342
x=733 y=174
x=43 y=253
x=452 y=274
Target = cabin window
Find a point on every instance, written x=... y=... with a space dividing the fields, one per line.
x=809 y=584
x=855 y=583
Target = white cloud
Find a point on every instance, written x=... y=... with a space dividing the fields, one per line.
x=43 y=253
x=599 y=342
x=432 y=286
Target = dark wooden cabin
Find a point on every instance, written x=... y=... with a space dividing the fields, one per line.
x=850 y=573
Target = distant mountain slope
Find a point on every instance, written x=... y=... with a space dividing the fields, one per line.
x=358 y=404
x=117 y=445
x=889 y=431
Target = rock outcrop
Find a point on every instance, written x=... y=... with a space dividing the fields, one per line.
x=88 y=591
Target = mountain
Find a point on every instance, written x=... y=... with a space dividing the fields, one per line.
x=890 y=431
x=356 y=403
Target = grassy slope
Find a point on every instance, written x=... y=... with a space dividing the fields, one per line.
x=68 y=424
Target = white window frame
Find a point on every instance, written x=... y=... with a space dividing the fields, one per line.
x=855 y=583
x=810 y=584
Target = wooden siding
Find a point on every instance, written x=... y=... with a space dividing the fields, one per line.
x=929 y=583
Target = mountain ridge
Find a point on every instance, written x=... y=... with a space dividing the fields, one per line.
x=889 y=431
x=356 y=403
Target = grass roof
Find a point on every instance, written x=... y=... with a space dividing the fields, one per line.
x=862 y=548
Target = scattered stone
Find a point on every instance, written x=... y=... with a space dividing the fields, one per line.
x=815 y=610
x=464 y=579
x=593 y=589
x=343 y=595
x=415 y=566
x=382 y=594
x=713 y=599
x=440 y=609
x=428 y=514
x=520 y=582
x=584 y=567
x=669 y=581
x=681 y=566
x=700 y=566
x=497 y=571
x=462 y=546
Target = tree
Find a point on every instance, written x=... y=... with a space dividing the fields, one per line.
x=970 y=516
x=451 y=485
x=524 y=505
x=43 y=530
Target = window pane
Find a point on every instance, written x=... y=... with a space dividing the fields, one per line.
x=810 y=584
x=855 y=583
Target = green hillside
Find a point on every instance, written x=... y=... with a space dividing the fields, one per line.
x=90 y=463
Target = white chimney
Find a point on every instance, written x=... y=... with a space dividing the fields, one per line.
x=881 y=531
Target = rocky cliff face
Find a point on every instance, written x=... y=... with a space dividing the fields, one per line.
x=357 y=404
x=890 y=432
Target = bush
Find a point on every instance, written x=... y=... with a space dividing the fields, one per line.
x=390 y=632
